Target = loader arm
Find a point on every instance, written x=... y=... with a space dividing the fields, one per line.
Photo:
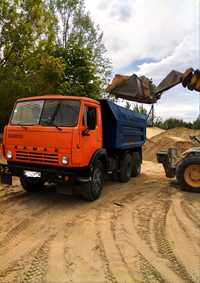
x=142 y=89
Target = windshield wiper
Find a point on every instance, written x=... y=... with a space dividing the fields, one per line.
x=55 y=113
x=57 y=127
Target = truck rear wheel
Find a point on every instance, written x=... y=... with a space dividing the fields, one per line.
x=136 y=167
x=92 y=189
x=188 y=174
x=31 y=186
x=125 y=168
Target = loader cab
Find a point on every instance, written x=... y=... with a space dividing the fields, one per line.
x=53 y=130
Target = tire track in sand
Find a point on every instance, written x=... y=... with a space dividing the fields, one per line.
x=38 y=267
x=163 y=245
x=149 y=272
x=125 y=273
x=109 y=276
x=23 y=225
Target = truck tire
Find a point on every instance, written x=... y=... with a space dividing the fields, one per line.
x=136 y=167
x=30 y=186
x=188 y=173
x=125 y=168
x=115 y=176
x=92 y=189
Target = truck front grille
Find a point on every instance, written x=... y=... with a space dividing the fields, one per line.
x=37 y=157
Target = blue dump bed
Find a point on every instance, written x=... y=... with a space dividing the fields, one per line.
x=122 y=128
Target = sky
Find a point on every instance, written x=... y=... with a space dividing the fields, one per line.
x=152 y=38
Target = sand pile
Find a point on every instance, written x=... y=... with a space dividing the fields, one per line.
x=178 y=138
x=151 y=132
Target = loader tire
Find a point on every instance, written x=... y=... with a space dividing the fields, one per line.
x=188 y=173
x=136 y=167
x=31 y=186
x=92 y=189
x=125 y=168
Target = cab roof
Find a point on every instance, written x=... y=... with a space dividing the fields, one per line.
x=57 y=96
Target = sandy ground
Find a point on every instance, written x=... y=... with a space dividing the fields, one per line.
x=144 y=231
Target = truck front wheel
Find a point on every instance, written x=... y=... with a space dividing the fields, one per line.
x=188 y=174
x=92 y=189
x=31 y=186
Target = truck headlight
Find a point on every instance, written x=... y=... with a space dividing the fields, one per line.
x=9 y=154
x=65 y=160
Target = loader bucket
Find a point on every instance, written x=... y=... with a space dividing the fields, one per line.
x=133 y=88
x=141 y=89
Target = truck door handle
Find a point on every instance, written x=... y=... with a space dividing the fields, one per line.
x=86 y=133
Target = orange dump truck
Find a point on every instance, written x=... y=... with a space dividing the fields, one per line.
x=62 y=139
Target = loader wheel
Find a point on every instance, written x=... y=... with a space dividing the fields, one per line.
x=125 y=168
x=188 y=174
x=31 y=186
x=92 y=189
x=136 y=167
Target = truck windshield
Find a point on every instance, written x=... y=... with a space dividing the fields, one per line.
x=63 y=113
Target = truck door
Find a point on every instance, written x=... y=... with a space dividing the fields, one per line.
x=91 y=139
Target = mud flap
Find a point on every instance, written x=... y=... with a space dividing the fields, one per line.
x=6 y=179
x=5 y=175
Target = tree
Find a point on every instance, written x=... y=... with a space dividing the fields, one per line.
x=26 y=41
x=80 y=72
x=76 y=31
x=196 y=124
x=49 y=46
x=140 y=109
x=128 y=105
x=26 y=29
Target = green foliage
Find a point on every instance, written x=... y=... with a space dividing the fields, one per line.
x=136 y=108
x=75 y=29
x=26 y=40
x=176 y=123
x=80 y=72
x=173 y=122
x=196 y=124
x=128 y=105
x=139 y=109
x=49 y=46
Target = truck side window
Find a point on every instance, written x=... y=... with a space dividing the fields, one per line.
x=91 y=117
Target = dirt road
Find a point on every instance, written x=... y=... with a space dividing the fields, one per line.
x=143 y=231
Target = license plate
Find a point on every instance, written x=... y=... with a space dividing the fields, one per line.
x=32 y=174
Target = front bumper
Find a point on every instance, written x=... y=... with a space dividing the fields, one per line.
x=48 y=173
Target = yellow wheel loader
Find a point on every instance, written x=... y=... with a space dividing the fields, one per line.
x=141 y=89
x=186 y=169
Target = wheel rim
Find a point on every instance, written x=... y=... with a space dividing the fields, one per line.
x=192 y=175
x=97 y=180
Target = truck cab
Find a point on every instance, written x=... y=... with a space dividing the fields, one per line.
x=53 y=130
x=57 y=138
